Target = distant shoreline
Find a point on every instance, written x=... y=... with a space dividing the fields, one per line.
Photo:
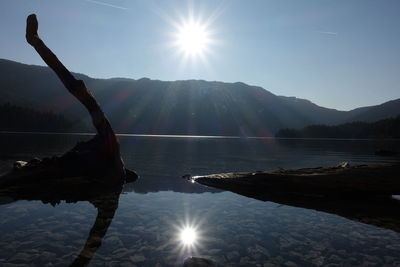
x=203 y=136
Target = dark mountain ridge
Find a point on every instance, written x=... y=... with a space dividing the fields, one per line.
x=193 y=107
x=387 y=128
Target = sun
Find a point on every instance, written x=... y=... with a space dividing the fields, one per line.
x=193 y=38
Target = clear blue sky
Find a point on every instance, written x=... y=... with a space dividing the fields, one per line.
x=337 y=53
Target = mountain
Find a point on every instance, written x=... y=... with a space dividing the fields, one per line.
x=192 y=107
x=375 y=113
x=387 y=128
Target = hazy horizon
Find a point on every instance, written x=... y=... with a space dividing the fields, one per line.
x=340 y=55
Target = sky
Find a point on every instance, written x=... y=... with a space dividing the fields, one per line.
x=339 y=54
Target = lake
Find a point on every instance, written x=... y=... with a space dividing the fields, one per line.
x=230 y=229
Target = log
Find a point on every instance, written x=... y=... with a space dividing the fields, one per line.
x=97 y=158
x=360 y=193
x=380 y=179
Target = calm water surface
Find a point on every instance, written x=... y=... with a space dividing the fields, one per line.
x=232 y=230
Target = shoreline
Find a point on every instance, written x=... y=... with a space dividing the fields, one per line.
x=200 y=136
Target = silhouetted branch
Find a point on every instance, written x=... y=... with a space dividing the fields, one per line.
x=104 y=148
x=76 y=87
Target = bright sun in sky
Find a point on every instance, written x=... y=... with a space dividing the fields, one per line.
x=192 y=38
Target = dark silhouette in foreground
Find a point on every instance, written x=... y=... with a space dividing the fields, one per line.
x=91 y=171
x=97 y=160
x=360 y=193
x=341 y=180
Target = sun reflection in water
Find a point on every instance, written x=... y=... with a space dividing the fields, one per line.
x=188 y=240
x=188 y=236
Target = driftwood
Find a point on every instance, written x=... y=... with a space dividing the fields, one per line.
x=92 y=171
x=97 y=160
x=359 y=193
x=346 y=180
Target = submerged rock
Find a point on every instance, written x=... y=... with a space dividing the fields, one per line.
x=198 y=262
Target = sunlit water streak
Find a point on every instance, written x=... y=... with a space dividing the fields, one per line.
x=202 y=136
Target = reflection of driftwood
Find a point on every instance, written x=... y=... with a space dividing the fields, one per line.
x=363 y=179
x=106 y=206
x=354 y=198
x=378 y=211
x=102 y=196
x=98 y=157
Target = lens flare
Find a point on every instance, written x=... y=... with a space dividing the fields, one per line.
x=188 y=236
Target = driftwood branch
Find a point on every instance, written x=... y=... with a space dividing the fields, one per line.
x=91 y=171
x=101 y=154
x=76 y=87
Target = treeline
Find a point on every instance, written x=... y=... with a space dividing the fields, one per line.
x=388 y=128
x=16 y=118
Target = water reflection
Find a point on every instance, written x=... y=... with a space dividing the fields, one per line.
x=103 y=198
x=188 y=236
x=380 y=211
x=106 y=206
x=145 y=230
x=377 y=211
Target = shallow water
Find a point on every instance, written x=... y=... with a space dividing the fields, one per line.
x=231 y=229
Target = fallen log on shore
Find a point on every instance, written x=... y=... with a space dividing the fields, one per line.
x=380 y=179
x=359 y=193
